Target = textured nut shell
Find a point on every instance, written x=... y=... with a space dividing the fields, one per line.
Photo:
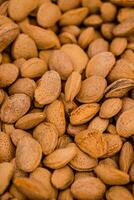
x=92 y=89
x=110 y=107
x=52 y=14
x=6 y=173
x=62 y=178
x=24 y=47
x=118 y=45
x=43 y=176
x=8 y=33
x=23 y=85
x=55 y=114
x=100 y=64
x=89 y=188
x=83 y=113
x=61 y=62
x=125 y=123
x=8 y=74
x=47 y=135
x=28 y=154
x=86 y=36
x=18 y=134
x=30 y=120
x=77 y=55
x=114 y=144
x=6 y=148
x=60 y=157
x=122 y=69
x=19 y=10
x=44 y=38
x=119 y=192
x=111 y=176
x=64 y=6
x=92 y=142
x=98 y=124
x=14 y=107
x=74 y=16
x=70 y=91
x=49 y=88
x=73 y=130
x=97 y=46
x=126 y=157
x=31 y=188
x=33 y=68
x=83 y=162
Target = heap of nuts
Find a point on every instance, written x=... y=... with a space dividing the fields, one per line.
x=66 y=100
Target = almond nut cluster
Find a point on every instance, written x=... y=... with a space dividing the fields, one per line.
x=66 y=99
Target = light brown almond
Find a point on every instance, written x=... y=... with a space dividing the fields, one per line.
x=60 y=157
x=92 y=142
x=43 y=176
x=98 y=124
x=30 y=120
x=55 y=114
x=93 y=6
x=83 y=113
x=14 y=107
x=119 y=192
x=118 y=45
x=108 y=11
x=63 y=141
x=33 y=68
x=47 y=135
x=70 y=91
x=86 y=36
x=83 y=162
x=125 y=123
x=49 y=88
x=28 y=154
x=92 y=89
x=77 y=55
x=126 y=157
x=93 y=20
x=65 y=194
x=23 y=85
x=88 y=188
x=64 y=6
x=122 y=69
x=73 y=130
x=24 y=47
x=18 y=134
x=110 y=107
x=74 y=16
x=18 y=11
x=61 y=62
x=6 y=173
x=97 y=46
x=7 y=150
x=31 y=188
x=8 y=74
x=111 y=176
x=62 y=178
x=52 y=14
x=114 y=144
x=100 y=64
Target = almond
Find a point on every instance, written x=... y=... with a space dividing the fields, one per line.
x=47 y=135
x=60 y=157
x=49 y=88
x=14 y=107
x=92 y=142
x=62 y=178
x=83 y=113
x=55 y=114
x=100 y=64
x=28 y=154
x=92 y=89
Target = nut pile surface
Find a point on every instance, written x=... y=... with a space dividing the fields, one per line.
x=67 y=100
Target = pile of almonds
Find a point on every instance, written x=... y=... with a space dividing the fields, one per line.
x=67 y=100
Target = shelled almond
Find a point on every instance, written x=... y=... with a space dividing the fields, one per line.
x=66 y=99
